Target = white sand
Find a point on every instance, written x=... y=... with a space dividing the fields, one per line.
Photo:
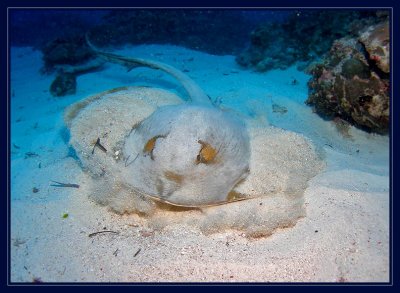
x=344 y=236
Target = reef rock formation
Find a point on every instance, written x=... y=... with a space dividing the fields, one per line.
x=352 y=82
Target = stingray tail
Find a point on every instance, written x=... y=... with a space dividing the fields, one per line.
x=195 y=93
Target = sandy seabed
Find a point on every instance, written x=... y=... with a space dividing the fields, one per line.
x=344 y=236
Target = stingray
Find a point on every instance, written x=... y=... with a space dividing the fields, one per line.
x=177 y=161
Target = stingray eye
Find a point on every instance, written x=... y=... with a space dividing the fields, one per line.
x=150 y=145
x=207 y=153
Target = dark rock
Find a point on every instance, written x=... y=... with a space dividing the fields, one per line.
x=61 y=51
x=64 y=84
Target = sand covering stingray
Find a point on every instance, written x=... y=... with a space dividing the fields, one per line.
x=188 y=162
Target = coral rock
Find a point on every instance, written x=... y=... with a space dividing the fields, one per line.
x=376 y=42
x=347 y=84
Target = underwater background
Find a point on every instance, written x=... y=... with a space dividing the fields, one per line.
x=317 y=77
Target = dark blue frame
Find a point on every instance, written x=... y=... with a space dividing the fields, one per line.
x=208 y=4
